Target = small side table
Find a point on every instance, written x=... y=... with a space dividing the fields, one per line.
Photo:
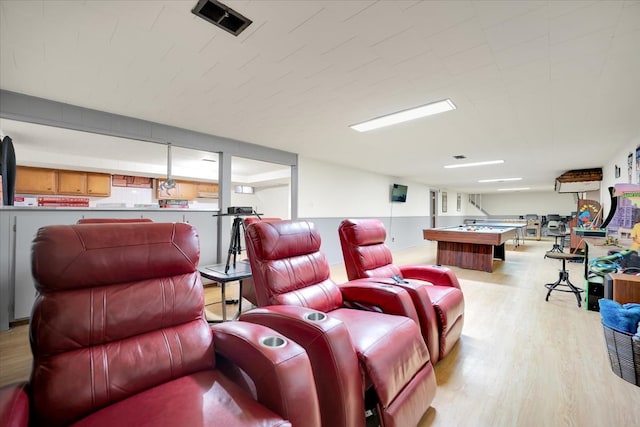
x=564 y=275
x=215 y=272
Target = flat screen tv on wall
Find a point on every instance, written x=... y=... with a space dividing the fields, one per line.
x=398 y=193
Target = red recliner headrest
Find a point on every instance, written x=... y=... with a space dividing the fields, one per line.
x=363 y=232
x=76 y=255
x=283 y=239
x=253 y=219
x=111 y=220
x=288 y=267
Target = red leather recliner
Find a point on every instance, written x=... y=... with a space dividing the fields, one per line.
x=350 y=350
x=119 y=337
x=248 y=287
x=434 y=290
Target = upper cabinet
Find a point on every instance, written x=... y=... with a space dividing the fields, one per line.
x=62 y=182
x=187 y=190
x=98 y=184
x=184 y=190
x=72 y=182
x=207 y=190
x=36 y=181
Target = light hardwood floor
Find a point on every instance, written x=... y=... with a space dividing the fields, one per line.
x=521 y=361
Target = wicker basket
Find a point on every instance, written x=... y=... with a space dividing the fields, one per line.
x=624 y=354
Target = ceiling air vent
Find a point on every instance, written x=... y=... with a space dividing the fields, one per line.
x=221 y=16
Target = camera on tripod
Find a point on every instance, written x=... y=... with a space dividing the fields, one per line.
x=235 y=245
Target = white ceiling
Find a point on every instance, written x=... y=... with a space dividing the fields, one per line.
x=547 y=86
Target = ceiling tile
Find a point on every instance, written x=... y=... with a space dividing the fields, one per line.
x=468 y=60
x=528 y=51
x=461 y=37
x=491 y=13
x=583 y=21
x=520 y=29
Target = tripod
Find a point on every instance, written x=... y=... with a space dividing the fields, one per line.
x=235 y=247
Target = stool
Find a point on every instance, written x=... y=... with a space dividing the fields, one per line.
x=564 y=275
x=557 y=247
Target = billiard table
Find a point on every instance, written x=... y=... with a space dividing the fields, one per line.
x=470 y=246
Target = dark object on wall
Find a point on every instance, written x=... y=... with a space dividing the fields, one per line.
x=612 y=209
x=221 y=16
x=8 y=171
x=399 y=193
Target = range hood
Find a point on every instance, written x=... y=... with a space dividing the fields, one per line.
x=579 y=181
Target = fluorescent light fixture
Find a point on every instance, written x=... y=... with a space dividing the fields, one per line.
x=514 y=189
x=500 y=180
x=405 y=116
x=466 y=165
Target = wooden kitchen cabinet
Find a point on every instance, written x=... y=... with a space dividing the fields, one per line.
x=79 y=183
x=184 y=190
x=62 y=182
x=208 y=190
x=72 y=182
x=188 y=190
x=98 y=184
x=36 y=180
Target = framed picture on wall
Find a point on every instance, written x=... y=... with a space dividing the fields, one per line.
x=444 y=201
x=630 y=167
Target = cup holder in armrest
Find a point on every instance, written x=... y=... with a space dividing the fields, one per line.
x=316 y=316
x=273 y=342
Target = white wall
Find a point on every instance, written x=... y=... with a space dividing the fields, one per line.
x=466 y=208
x=529 y=202
x=268 y=201
x=275 y=201
x=327 y=190
x=619 y=159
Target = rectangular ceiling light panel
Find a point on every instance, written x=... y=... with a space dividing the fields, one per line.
x=467 y=165
x=500 y=180
x=405 y=116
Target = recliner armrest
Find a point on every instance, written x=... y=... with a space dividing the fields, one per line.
x=437 y=275
x=332 y=354
x=14 y=405
x=379 y=294
x=279 y=368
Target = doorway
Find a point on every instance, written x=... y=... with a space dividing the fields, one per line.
x=434 y=208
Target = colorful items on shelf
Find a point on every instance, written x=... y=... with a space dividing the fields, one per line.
x=173 y=203
x=53 y=202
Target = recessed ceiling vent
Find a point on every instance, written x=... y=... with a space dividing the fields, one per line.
x=221 y=16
